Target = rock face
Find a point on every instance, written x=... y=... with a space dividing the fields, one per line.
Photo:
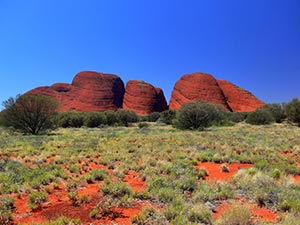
x=143 y=98
x=89 y=92
x=197 y=87
x=204 y=87
x=239 y=99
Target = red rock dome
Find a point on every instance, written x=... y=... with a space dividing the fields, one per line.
x=89 y=92
x=143 y=98
x=197 y=87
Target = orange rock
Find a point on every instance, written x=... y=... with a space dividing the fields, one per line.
x=89 y=92
x=204 y=87
x=143 y=98
x=197 y=87
x=239 y=99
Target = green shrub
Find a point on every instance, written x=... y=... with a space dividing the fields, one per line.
x=70 y=119
x=111 y=117
x=167 y=116
x=62 y=220
x=260 y=117
x=292 y=110
x=236 y=215
x=143 y=125
x=30 y=113
x=198 y=115
x=153 y=117
x=96 y=175
x=95 y=119
x=236 y=117
x=276 y=111
x=200 y=214
x=116 y=190
x=36 y=199
x=125 y=117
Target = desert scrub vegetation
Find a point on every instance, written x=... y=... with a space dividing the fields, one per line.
x=165 y=159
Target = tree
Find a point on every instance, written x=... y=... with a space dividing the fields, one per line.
x=292 y=110
x=30 y=113
x=198 y=115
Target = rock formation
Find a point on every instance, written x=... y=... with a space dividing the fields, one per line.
x=89 y=92
x=204 y=87
x=239 y=99
x=93 y=92
x=197 y=87
x=143 y=98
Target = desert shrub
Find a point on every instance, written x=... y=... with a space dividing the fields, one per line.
x=149 y=215
x=6 y=206
x=260 y=117
x=143 y=125
x=153 y=117
x=292 y=110
x=30 y=113
x=276 y=111
x=116 y=190
x=96 y=175
x=73 y=196
x=200 y=213
x=73 y=168
x=111 y=117
x=125 y=117
x=236 y=215
x=95 y=119
x=236 y=117
x=198 y=115
x=36 y=199
x=70 y=119
x=167 y=116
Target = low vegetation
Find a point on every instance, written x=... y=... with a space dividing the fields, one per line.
x=98 y=151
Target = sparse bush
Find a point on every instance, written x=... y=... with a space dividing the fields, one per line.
x=260 y=117
x=125 y=117
x=62 y=220
x=111 y=117
x=70 y=119
x=236 y=117
x=292 y=110
x=117 y=190
x=200 y=214
x=143 y=125
x=236 y=215
x=36 y=199
x=167 y=116
x=153 y=117
x=95 y=119
x=198 y=115
x=276 y=111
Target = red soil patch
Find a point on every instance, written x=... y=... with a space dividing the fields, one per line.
x=133 y=179
x=297 y=178
x=215 y=172
x=264 y=214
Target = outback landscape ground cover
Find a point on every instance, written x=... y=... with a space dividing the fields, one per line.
x=242 y=174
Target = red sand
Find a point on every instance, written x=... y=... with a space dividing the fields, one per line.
x=214 y=170
x=133 y=179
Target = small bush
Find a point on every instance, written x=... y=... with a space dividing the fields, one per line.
x=143 y=125
x=167 y=116
x=276 y=111
x=117 y=190
x=153 y=117
x=198 y=115
x=125 y=117
x=111 y=117
x=236 y=215
x=200 y=214
x=95 y=119
x=36 y=199
x=65 y=221
x=260 y=117
x=70 y=119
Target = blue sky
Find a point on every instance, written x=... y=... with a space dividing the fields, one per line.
x=252 y=43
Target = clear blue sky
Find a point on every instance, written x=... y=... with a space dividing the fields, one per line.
x=252 y=43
